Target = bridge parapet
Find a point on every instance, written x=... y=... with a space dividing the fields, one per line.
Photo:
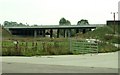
x=59 y=26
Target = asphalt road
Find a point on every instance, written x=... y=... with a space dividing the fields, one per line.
x=100 y=63
x=42 y=68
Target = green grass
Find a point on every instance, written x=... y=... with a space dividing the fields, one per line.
x=103 y=33
x=107 y=47
x=32 y=48
x=5 y=33
x=117 y=28
x=99 y=33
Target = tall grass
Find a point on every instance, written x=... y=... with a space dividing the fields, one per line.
x=31 y=48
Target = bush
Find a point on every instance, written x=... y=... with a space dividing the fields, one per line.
x=104 y=48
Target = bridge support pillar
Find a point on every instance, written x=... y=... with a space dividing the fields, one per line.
x=58 y=31
x=64 y=33
x=35 y=33
x=51 y=33
x=90 y=29
x=77 y=30
x=43 y=32
x=69 y=32
x=84 y=30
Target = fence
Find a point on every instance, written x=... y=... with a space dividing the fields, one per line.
x=83 y=46
x=53 y=47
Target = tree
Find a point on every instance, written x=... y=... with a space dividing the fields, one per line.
x=14 y=24
x=83 y=22
x=7 y=24
x=63 y=21
x=68 y=22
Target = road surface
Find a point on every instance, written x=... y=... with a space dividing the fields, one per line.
x=97 y=63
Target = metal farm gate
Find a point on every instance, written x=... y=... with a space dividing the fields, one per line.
x=83 y=46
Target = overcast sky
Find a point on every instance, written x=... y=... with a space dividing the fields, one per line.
x=49 y=12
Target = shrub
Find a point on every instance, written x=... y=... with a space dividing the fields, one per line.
x=106 y=47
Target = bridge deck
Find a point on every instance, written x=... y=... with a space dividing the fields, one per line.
x=43 y=30
x=55 y=27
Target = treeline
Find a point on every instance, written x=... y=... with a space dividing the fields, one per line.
x=62 y=21
x=7 y=23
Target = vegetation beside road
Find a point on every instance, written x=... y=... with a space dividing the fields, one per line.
x=36 y=47
x=58 y=46
x=5 y=33
x=104 y=34
x=45 y=46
